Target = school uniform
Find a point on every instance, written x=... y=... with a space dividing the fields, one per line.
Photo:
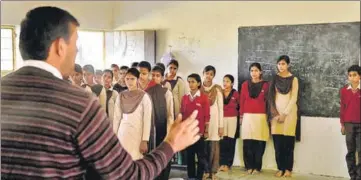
x=215 y=96
x=112 y=96
x=351 y=120
x=163 y=117
x=284 y=95
x=99 y=91
x=230 y=115
x=190 y=103
x=117 y=87
x=132 y=120
x=177 y=87
x=254 y=130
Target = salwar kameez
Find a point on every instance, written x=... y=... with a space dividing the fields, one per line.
x=134 y=127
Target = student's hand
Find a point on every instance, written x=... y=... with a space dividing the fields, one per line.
x=220 y=132
x=343 y=130
x=276 y=118
x=282 y=118
x=205 y=135
x=183 y=133
x=143 y=147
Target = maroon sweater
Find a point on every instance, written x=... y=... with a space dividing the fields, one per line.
x=350 y=106
x=200 y=103
x=250 y=105
x=231 y=109
x=53 y=130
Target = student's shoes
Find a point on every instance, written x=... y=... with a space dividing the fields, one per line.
x=287 y=174
x=249 y=171
x=226 y=169
x=279 y=174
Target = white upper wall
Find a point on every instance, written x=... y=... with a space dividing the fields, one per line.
x=90 y=14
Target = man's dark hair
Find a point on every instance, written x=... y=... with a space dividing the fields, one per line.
x=158 y=69
x=89 y=68
x=124 y=68
x=354 y=68
x=40 y=28
x=145 y=64
x=108 y=71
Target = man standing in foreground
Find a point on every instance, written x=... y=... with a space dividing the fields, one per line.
x=51 y=129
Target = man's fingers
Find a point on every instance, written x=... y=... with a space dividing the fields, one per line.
x=191 y=118
x=194 y=131
x=194 y=114
x=192 y=125
x=195 y=138
x=178 y=119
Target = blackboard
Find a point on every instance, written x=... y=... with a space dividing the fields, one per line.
x=320 y=55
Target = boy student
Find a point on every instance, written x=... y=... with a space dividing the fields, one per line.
x=196 y=100
x=120 y=85
x=351 y=121
x=90 y=86
x=115 y=69
x=134 y=65
x=76 y=77
x=98 y=76
x=145 y=83
x=163 y=111
x=215 y=96
x=111 y=93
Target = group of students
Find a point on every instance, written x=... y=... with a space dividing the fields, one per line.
x=142 y=109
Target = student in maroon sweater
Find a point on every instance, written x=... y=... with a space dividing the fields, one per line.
x=195 y=100
x=351 y=121
x=230 y=115
x=255 y=131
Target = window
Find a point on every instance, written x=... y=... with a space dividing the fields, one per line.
x=90 y=49
x=7 y=49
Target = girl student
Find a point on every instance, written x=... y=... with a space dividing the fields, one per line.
x=230 y=115
x=283 y=95
x=253 y=116
x=196 y=100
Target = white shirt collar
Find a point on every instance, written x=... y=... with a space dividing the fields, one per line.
x=110 y=89
x=44 y=66
x=350 y=87
x=198 y=93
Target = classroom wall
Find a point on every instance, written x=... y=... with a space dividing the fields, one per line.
x=203 y=33
x=90 y=14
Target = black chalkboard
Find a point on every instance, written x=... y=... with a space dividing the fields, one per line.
x=320 y=55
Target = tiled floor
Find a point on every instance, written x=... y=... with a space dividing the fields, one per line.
x=237 y=173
